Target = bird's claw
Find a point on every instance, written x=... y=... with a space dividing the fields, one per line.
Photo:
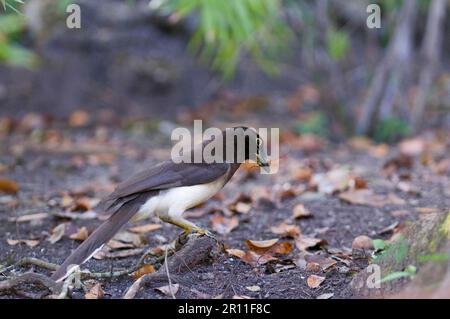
x=202 y=232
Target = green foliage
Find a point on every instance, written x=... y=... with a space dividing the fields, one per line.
x=315 y=124
x=409 y=272
x=11 y=5
x=228 y=29
x=434 y=257
x=397 y=250
x=61 y=5
x=11 y=52
x=338 y=44
x=379 y=244
x=391 y=130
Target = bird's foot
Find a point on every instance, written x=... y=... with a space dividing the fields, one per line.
x=205 y=232
x=199 y=231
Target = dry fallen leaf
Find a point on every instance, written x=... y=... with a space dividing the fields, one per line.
x=29 y=242
x=253 y=288
x=289 y=191
x=115 y=244
x=125 y=253
x=286 y=230
x=303 y=174
x=8 y=186
x=427 y=210
x=240 y=204
x=408 y=188
x=400 y=213
x=390 y=228
x=101 y=159
x=305 y=242
x=242 y=208
x=71 y=215
x=443 y=167
x=261 y=244
x=314 y=281
x=412 y=147
x=367 y=197
x=323 y=262
x=255 y=259
x=357 y=183
x=169 y=290
x=267 y=247
x=312 y=267
x=300 y=211
x=30 y=217
x=400 y=161
x=325 y=296
x=79 y=118
x=241 y=297
x=147 y=269
x=143 y=229
x=84 y=204
x=57 y=233
x=236 y=252
x=224 y=225
x=130 y=238
x=81 y=235
x=335 y=180
x=66 y=201
x=96 y=292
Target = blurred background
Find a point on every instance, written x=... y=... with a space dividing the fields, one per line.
x=313 y=66
x=364 y=133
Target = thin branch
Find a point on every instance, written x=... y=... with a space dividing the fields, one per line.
x=168 y=275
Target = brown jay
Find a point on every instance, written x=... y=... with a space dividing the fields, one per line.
x=167 y=190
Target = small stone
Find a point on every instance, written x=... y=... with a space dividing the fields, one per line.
x=362 y=242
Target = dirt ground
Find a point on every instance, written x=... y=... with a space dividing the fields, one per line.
x=59 y=168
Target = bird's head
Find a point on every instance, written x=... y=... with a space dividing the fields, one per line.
x=247 y=145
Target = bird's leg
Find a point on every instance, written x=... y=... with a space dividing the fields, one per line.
x=178 y=220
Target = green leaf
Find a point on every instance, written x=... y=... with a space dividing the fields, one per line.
x=338 y=44
x=11 y=23
x=227 y=29
x=16 y=55
x=379 y=244
x=434 y=257
x=409 y=271
x=395 y=275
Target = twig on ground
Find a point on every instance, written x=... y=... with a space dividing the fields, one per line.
x=36 y=262
x=168 y=275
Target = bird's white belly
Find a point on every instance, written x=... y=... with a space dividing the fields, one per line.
x=177 y=200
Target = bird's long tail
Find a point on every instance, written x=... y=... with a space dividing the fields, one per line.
x=99 y=237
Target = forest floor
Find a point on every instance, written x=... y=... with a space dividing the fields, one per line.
x=323 y=197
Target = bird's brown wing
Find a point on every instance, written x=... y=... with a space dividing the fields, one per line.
x=163 y=176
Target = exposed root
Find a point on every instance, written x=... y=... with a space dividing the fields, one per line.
x=197 y=250
x=13 y=283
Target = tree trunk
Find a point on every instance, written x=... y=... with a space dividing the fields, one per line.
x=389 y=72
x=431 y=47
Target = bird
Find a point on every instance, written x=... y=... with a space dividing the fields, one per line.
x=167 y=190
